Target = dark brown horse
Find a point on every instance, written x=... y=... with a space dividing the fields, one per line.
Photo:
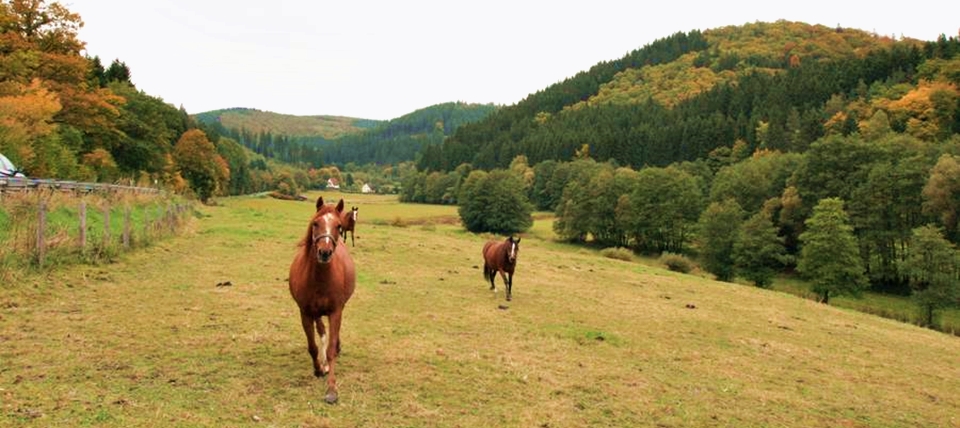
x=348 y=222
x=501 y=256
x=322 y=279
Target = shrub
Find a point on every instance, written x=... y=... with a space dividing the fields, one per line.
x=618 y=253
x=676 y=262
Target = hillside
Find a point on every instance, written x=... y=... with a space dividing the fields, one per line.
x=344 y=140
x=400 y=139
x=683 y=96
x=256 y=122
x=586 y=341
x=732 y=53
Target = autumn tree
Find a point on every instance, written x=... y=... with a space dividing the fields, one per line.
x=45 y=46
x=41 y=49
x=829 y=257
x=102 y=164
x=198 y=162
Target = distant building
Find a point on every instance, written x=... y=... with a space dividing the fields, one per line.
x=333 y=183
x=366 y=188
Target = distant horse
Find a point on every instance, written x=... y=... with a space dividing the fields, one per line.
x=322 y=279
x=348 y=222
x=501 y=256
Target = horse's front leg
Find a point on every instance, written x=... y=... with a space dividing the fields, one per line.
x=507 y=282
x=324 y=340
x=332 y=350
x=308 y=323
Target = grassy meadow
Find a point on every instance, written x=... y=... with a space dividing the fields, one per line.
x=156 y=339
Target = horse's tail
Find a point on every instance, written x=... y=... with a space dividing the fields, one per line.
x=486 y=273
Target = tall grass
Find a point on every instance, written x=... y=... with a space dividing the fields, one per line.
x=150 y=218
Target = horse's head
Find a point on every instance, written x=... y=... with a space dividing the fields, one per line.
x=354 y=213
x=513 y=249
x=325 y=230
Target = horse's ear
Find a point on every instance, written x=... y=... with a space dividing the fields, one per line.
x=517 y=241
x=319 y=203
x=340 y=206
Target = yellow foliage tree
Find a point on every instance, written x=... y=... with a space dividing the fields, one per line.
x=927 y=109
x=40 y=43
x=26 y=116
x=102 y=164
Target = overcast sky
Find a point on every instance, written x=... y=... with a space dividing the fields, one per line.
x=383 y=59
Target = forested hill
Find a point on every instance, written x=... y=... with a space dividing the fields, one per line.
x=400 y=139
x=778 y=86
x=255 y=122
x=322 y=140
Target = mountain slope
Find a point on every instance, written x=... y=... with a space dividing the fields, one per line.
x=257 y=122
x=778 y=86
x=402 y=138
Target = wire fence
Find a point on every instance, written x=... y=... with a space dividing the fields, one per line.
x=45 y=223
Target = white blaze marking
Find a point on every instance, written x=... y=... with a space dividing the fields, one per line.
x=324 y=342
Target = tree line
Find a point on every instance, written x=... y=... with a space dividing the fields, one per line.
x=850 y=213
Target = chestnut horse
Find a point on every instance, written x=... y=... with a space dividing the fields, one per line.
x=501 y=256
x=348 y=222
x=322 y=279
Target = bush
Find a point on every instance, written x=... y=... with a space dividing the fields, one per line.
x=676 y=262
x=618 y=253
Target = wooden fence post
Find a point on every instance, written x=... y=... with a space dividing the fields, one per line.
x=106 y=226
x=146 y=223
x=159 y=226
x=126 y=228
x=83 y=225
x=172 y=218
x=41 y=226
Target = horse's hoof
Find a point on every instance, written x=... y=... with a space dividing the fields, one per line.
x=317 y=373
x=331 y=397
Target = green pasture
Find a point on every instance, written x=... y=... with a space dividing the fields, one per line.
x=157 y=338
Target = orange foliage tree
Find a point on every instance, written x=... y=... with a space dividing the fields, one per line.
x=45 y=76
x=198 y=162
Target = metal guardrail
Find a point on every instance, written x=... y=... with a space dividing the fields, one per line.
x=19 y=184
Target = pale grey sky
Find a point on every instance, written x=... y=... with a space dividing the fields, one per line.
x=383 y=59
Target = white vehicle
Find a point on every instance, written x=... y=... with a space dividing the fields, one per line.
x=7 y=169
